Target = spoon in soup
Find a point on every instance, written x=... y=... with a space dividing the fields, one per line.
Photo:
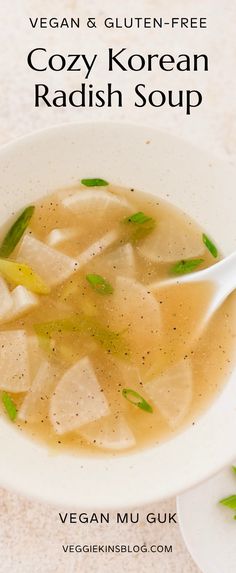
x=222 y=275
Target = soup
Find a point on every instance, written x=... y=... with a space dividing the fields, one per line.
x=98 y=353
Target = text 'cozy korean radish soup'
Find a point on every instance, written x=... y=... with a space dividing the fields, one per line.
x=98 y=353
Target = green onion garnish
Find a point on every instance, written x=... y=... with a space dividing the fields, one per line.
x=229 y=501
x=111 y=341
x=209 y=245
x=21 y=274
x=9 y=406
x=187 y=266
x=45 y=342
x=136 y=399
x=16 y=231
x=99 y=284
x=94 y=182
x=138 y=217
x=141 y=224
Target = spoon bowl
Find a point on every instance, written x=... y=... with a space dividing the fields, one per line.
x=222 y=274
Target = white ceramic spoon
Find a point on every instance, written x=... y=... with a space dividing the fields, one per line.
x=222 y=274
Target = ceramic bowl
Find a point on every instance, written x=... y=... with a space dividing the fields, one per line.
x=203 y=187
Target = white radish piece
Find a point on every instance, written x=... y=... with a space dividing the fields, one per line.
x=168 y=243
x=134 y=310
x=78 y=399
x=121 y=260
x=14 y=361
x=23 y=301
x=97 y=248
x=51 y=265
x=34 y=407
x=171 y=392
x=110 y=433
x=36 y=354
x=58 y=236
x=95 y=201
x=5 y=299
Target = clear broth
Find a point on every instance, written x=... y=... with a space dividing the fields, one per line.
x=151 y=351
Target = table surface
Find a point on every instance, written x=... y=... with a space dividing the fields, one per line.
x=31 y=535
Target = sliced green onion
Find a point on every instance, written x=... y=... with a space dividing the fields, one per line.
x=66 y=352
x=229 y=502
x=111 y=341
x=142 y=232
x=138 y=218
x=94 y=182
x=45 y=342
x=137 y=400
x=9 y=406
x=141 y=224
x=99 y=284
x=16 y=231
x=187 y=266
x=209 y=245
x=21 y=274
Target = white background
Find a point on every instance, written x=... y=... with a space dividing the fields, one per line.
x=31 y=535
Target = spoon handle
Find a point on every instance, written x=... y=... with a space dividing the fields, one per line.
x=223 y=274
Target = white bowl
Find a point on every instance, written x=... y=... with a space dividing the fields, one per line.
x=212 y=552
x=151 y=161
